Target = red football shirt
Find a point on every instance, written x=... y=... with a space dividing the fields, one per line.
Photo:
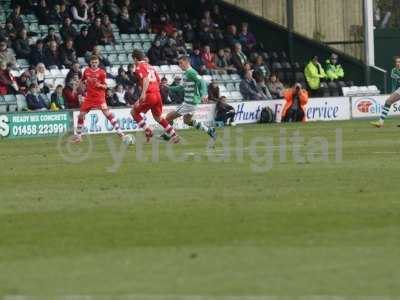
x=144 y=70
x=92 y=78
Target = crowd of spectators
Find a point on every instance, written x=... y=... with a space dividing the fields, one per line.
x=215 y=47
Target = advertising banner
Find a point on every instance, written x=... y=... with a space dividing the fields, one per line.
x=34 y=124
x=328 y=109
x=97 y=123
x=371 y=107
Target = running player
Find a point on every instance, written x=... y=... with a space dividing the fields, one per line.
x=94 y=79
x=394 y=97
x=195 y=93
x=150 y=98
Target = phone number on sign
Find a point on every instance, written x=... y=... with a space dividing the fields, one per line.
x=42 y=129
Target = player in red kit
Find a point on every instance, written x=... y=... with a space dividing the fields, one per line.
x=150 y=98
x=94 y=79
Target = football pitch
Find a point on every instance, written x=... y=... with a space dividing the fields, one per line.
x=258 y=216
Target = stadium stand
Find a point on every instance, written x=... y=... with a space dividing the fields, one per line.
x=178 y=34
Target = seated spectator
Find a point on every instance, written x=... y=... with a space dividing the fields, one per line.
x=209 y=60
x=96 y=8
x=68 y=54
x=141 y=21
x=177 y=90
x=132 y=94
x=95 y=33
x=120 y=93
x=260 y=66
x=247 y=39
x=37 y=54
x=23 y=83
x=7 y=55
x=122 y=78
x=112 y=98
x=21 y=45
x=133 y=80
x=16 y=19
x=156 y=54
x=55 y=15
x=333 y=69
x=164 y=91
x=57 y=101
x=249 y=88
x=74 y=70
x=107 y=31
x=163 y=38
x=43 y=12
x=51 y=36
x=67 y=31
x=64 y=12
x=260 y=81
x=217 y=16
x=112 y=10
x=71 y=94
x=231 y=37
x=39 y=78
x=295 y=101
x=83 y=43
x=35 y=100
x=314 y=73
x=171 y=52
x=213 y=91
x=239 y=59
x=275 y=86
x=8 y=84
x=167 y=25
x=224 y=112
x=10 y=31
x=104 y=62
x=52 y=58
x=221 y=62
x=80 y=12
x=206 y=37
x=125 y=24
x=197 y=62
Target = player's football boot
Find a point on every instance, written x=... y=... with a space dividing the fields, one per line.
x=377 y=124
x=164 y=137
x=149 y=134
x=175 y=139
x=76 y=139
x=212 y=133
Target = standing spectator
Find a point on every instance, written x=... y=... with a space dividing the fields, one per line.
x=275 y=86
x=21 y=45
x=224 y=112
x=7 y=55
x=156 y=54
x=239 y=59
x=57 y=101
x=37 y=53
x=294 y=109
x=43 y=12
x=8 y=84
x=52 y=59
x=107 y=31
x=197 y=63
x=213 y=91
x=125 y=24
x=35 y=100
x=209 y=60
x=51 y=36
x=68 y=54
x=247 y=39
x=82 y=42
x=314 y=73
x=67 y=31
x=75 y=70
x=80 y=12
x=16 y=19
x=333 y=69
x=249 y=88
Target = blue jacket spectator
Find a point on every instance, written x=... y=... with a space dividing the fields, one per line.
x=197 y=62
x=34 y=100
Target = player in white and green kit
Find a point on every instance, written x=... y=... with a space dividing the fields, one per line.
x=195 y=93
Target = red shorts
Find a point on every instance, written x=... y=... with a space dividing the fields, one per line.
x=87 y=106
x=152 y=102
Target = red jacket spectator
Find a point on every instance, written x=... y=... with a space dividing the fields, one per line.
x=7 y=81
x=208 y=58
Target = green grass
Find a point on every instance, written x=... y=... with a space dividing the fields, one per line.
x=203 y=228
